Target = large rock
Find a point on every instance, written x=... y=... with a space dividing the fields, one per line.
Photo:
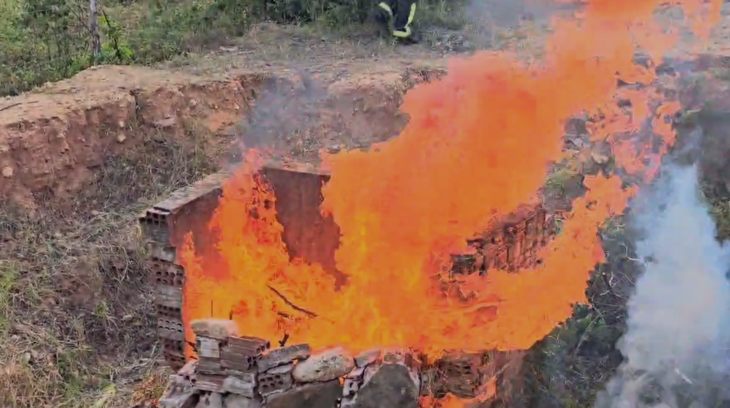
x=325 y=366
x=391 y=386
x=315 y=395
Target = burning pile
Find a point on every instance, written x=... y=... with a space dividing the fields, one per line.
x=477 y=146
x=241 y=371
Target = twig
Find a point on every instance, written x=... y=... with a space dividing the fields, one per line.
x=604 y=276
x=583 y=336
x=292 y=305
x=12 y=105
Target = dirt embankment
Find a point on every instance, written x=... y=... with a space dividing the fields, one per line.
x=53 y=139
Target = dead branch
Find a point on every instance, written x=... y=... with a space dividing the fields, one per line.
x=292 y=305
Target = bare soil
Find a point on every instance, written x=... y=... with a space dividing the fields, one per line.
x=52 y=139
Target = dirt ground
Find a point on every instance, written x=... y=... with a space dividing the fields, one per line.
x=51 y=139
x=81 y=157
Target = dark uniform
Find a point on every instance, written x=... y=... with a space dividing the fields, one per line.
x=398 y=14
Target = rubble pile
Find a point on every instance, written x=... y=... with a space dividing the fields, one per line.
x=235 y=371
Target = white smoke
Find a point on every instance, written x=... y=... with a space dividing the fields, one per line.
x=676 y=345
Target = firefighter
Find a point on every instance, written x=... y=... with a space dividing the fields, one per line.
x=398 y=15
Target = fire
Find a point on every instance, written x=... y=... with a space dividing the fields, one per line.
x=253 y=282
x=477 y=146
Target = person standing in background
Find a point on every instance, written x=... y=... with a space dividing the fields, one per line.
x=398 y=15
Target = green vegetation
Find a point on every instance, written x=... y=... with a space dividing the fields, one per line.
x=573 y=363
x=49 y=40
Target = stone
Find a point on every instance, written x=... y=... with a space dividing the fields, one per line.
x=188 y=370
x=212 y=400
x=239 y=401
x=121 y=138
x=178 y=394
x=367 y=357
x=391 y=386
x=352 y=382
x=600 y=158
x=219 y=329
x=315 y=395
x=325 y=366
x=245 y=387
x=284 y=355
x=8 y=172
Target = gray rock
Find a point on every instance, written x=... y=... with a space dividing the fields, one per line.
x=211 y=400
x=284 y=355
x=391 y=386
x=239 y=401
x=239 y=386
x=179 y=393
x=325 y=366
x=316 y=395
x=367 y=357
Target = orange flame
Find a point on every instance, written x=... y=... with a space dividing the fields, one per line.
x=253 y=282
x=477 y=146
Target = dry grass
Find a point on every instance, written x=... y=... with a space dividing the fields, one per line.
x=76 y=316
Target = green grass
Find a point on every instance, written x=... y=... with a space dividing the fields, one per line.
x=8 y=276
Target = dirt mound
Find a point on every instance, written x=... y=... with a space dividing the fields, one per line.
x=51 y=140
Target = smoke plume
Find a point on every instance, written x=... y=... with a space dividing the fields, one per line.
x=675 y=347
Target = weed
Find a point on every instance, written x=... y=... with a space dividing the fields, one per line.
x=558 y=182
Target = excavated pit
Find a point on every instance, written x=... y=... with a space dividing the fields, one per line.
x=237 y=370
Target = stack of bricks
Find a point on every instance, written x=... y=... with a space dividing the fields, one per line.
x=510 y=243
x=234 y=371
